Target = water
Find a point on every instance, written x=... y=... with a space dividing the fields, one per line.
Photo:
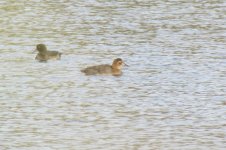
x=172 y=95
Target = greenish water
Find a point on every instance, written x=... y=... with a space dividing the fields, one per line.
x=172 y=95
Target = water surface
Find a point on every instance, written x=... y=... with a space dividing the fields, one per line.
x=172 y=95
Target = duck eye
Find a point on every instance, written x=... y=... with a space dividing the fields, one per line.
x=120 y=63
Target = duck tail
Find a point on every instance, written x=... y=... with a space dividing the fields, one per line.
x=60 y=55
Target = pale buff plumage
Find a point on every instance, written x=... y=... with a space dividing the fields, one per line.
x=114 y=69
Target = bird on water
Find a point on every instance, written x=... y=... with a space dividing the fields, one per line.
x=44 y=54
x=105 y=69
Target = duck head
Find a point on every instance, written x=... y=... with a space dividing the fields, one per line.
x=118 y=64
x=41 y=48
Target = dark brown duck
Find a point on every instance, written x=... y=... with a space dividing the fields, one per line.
x=44 y=54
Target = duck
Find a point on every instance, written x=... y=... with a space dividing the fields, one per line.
x=105 y=69
x=44 y=54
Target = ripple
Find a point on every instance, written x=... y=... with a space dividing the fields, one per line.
x=171 y=95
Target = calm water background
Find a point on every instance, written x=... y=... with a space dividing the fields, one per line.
x=172 y=95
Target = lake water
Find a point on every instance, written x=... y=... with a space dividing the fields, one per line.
x=171 y=96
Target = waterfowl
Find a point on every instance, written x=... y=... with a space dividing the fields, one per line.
x=44 y=54
x=114 y=69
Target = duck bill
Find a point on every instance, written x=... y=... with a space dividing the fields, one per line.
x=34 y=51
x=125 y=64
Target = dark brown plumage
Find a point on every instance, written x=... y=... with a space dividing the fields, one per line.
x=44 y=54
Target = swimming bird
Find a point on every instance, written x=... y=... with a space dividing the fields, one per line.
x=114 y=69
x=44 y=54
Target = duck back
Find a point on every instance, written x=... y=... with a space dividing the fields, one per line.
x=100 y=69
x=54 y=55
